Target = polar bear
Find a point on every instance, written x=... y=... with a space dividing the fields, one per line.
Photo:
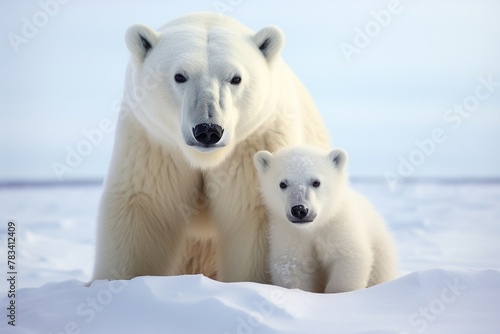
x=323 y=235
x=202 y=95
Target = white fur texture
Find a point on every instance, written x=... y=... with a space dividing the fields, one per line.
x=346 y=242
x=160 y=186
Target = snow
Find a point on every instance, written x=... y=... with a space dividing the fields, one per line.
x=447 y=238
x=438 y=301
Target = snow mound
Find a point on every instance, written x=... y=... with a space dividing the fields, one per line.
x=434 y=301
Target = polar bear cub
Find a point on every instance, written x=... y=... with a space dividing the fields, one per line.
x=324 y=236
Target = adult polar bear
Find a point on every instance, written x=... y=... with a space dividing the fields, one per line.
x=202 y=95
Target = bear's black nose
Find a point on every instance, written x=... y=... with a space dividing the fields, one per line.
x=299 y=211
x=207 y=134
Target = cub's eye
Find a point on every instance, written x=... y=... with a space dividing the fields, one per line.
x=179 y=78
x=235 y=80
x=316 y=184
x=283 y=185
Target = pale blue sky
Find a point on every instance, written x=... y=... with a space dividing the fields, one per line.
x=394 y=93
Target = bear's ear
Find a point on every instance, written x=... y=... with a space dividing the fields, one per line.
x=270 y=41
x=140 y=40
x=261 y=160
x=338 y=157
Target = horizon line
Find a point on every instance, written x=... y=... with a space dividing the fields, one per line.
x=85 y=182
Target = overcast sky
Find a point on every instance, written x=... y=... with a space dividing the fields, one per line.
x=413 y=94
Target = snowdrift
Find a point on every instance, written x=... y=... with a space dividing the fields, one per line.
x=432 y=301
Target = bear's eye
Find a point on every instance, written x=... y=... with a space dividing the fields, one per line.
x=179 y=78
x=316 y=184
x=235 y=80
x=283 y=185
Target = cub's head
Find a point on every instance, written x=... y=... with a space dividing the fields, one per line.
x=302 y=184
x=202 y=82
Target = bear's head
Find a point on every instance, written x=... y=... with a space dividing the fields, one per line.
x=302 y=184
x=203 y=82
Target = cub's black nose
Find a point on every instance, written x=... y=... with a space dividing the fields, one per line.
x=207 y=134
x=299 y=211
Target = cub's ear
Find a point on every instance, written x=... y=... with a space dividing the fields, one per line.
x=338 y=157
x=140 y=40
x=270 y=41
x=261 y=160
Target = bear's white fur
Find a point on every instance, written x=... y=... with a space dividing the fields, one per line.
x=166 y=182
x=319 y=227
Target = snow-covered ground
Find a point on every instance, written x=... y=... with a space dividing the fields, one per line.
x=447 y=235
